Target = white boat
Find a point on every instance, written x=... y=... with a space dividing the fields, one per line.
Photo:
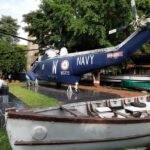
x=119 y=78
x=95 y=125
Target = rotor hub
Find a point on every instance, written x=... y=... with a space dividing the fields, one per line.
x=144 y=23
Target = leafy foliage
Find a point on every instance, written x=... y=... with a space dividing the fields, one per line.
x=8 y=25
x=82 y=24
x=78 y=25
x=12 y=58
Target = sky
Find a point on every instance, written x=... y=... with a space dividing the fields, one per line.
x=16 y=9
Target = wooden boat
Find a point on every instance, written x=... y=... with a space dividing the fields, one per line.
x=136 y=85
x=95 y=125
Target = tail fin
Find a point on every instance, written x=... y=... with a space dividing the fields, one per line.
x=31 y=75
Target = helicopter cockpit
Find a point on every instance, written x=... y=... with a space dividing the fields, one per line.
x=52 y=53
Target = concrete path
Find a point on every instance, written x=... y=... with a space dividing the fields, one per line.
x=111 y=90
x=62 y=95
x=9 y=101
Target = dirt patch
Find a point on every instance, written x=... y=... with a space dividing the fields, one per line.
x=122 y=93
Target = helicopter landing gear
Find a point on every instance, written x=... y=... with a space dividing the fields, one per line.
x=69 y=90
x=36 y=82
x=76 y=87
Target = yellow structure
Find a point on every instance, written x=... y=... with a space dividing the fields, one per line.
x=31 y=53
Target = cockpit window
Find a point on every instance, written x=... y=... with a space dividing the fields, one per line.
x=45 y=56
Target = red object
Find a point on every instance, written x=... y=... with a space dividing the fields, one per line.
x=10 y=109
x=96 y=84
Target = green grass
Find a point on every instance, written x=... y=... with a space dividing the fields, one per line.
x=4 y=144
x=31 y=98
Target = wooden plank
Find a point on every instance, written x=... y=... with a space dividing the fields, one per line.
x=123 y=114
x=93 y=111
x=89 y=112
x=74 y=112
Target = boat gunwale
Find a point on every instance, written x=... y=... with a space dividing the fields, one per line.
x=72 y=119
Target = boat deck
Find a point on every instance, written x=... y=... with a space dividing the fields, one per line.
x=114 y=108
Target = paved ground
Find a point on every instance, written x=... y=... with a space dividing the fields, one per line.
x=83 y=95
x=12 y=101
x=9 y=101
x=87 y=93
x=121 y=92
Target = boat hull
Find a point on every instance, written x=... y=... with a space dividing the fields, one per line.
x=119 y=78
x=136 y=85
x=71 y=133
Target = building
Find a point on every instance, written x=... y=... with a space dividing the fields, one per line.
x=31 y=53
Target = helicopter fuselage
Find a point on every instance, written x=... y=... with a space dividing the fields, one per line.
x=69 y=68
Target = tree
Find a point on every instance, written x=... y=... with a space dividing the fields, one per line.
x=8 y=25
x=81 y=25
x=78 y=25
x=12 y=58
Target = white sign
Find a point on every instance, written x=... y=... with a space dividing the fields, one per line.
x=85 y=60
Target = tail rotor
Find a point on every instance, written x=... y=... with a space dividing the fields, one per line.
x=134 y=23
x=134 y=10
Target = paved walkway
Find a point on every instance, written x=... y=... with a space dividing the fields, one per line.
x=9 y=101
x=87 y=93
x=62 y=95
x=121 y=92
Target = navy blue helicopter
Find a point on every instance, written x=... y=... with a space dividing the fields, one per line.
x=68 y=68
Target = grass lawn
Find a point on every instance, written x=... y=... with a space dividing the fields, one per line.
x=4 y=144
x=31 y=98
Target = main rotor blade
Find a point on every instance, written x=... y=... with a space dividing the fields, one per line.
x=134 y=10
x=119 y=29
x=3 y=32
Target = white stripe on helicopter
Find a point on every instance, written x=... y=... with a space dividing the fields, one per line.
x=85 y=60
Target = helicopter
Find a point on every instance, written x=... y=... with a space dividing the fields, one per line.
x=68 y=67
